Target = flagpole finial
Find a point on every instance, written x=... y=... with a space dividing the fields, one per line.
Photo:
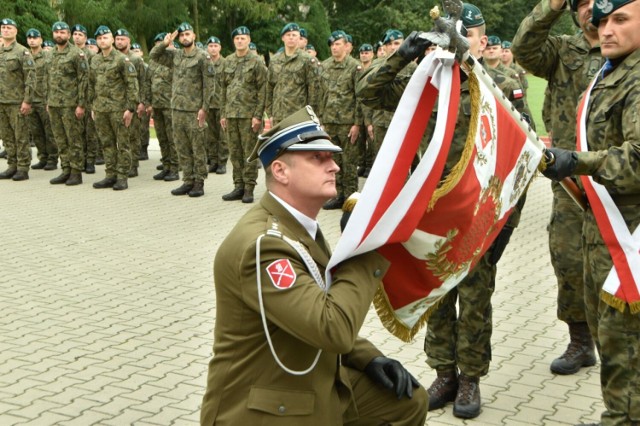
x=435 y=13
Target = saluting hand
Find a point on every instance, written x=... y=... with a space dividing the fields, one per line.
x=168 y=39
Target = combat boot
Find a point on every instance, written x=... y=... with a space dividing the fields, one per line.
x=51 y=165
x=236 y=194
x=133 y=172
x=90 y=168
x=183 y=189
x=144 y=155
x=74 y=179
x=159 y=167
x=171 y=176
x=247 y=196
x=197 y=190
x=443 y=389
x=334 y=203
x=161 y=175
x=20 y=175
x=213 y=167
x=222 y=169
x=120 y=185
x=8 y=174
x=39 y=165
x=580 y=351
x=467 y=403
x=99 y=161
x=58 y=180
x=3 y=154
x=107 y=182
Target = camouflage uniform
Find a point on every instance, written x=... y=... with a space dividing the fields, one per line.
x=113 y=89
x=66 y=90
x=192 y=81
x=568 y=63
x=613 y=135
x=521 y=75
x=242 y=98
x=17 y=85
x=135 y=130
x=92 y=148
x=157 y=93
x=217 y=148
x=338 y=111
x=291 y=84
x=364 y=142
x=39 y=123
x=453 y=340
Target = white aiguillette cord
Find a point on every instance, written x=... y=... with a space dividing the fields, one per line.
x=315 y=273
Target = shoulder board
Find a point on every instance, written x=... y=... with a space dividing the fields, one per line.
x=26 y=52
x=126 y=59
x=81 y=54
x=313 y=60
x=359 y=67
x=208 y=57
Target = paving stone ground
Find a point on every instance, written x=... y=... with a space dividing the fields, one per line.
x=107 y=308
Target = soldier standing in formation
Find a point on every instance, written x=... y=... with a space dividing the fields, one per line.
x=17 y=88
x=114 y=96
x=145 y=120
x=612 y=136
x=242 y=106
x=340 y=114
x=506 y=58
x=217 y=148
x=67 y=103
x=39 y=123
x=192 y=83
x=157 y=98
x=569 y=63
x=365 y=135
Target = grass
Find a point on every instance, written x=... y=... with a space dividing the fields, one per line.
x=535 y=98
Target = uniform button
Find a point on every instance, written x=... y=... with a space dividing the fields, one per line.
x=281 y=409
x=377 y=273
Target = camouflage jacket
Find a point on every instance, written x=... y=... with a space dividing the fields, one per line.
x=337 y=99
x=291 y=84
x=17 y=75
x=192 y=76
x=613 y=137
x=242 y=86
x=216 y=94
x=382 y=118
x=113 y=83
x=156 y=90
x=68 y=77
x=41 y=60
x=568 y=63
x=141 y=70
x=521 y=74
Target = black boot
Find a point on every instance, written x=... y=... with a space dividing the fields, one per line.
x=144 y=155
x=90 y=168
x=20 y=175
x=133 y=172
x=161 y=175
x=8 y=174
x=58 y=180
x=3 y=154
x=107 y=182
x=74 y=179
x=99 y=161
x=120 y=185
x=467 y=403
x=51 y=165
x=171 y=176
x=334 y=203
x=443 y=389
x=183 y=189
x=159 y=167
x=197 y=190
x=222 y=169
x=39 y=165
x=236 y=194
x=213 y=167
x=247 y=197
x=580 y=352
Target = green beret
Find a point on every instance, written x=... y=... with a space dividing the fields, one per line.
x=366 y=47
x=349 y=38
x=252 y=46
x=47 y=43
x=603 y=8
x=493 y=41
x=136 y=46
x=79 y=28
x=378 y=45
x=301 y=131
x=506 y=44
x=280 y=49
x=122 y=33
x=303 y=33
x=33 y=33
x=185 y=26
x=60 y=26
x=309 y=47
x=102 y=30
x=336 y=35
x=241 y=30
x=213 y=39
x=7 y=21
x=574 y=5
x=392 y=35
x=159 y=37
x=92 y=42
x=291 y=26
x=471 y=16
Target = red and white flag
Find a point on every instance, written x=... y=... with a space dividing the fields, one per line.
x=434 y=238
x=622 y=286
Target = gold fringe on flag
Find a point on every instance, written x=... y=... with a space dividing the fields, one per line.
x=616 y=303
x=458 y=170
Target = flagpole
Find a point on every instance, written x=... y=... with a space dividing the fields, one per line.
x=469 y=64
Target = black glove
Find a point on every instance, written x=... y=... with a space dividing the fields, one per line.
x=413 y=46
x=499 y=244
x=560 y=163
x=392 y=375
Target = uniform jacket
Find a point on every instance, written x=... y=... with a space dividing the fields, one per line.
x=113 y=83
x=68 y=77
x=337 y=103
x=17 y=75
x=41 y=60
x=242 y=87
x=216 y=93
x=157 y=86
x=245 y=386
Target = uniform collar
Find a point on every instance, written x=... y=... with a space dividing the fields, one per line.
x=309 y=224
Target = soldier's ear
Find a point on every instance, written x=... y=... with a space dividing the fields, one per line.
x=279 y=171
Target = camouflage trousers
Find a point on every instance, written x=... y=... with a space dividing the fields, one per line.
x=164 y=132
x=615 y=333
x=189 y=140
x=241 y=141
x=217 y=148
x=41 y=134
x=365 y=149
x=347 y=178
x=67 y=131
x=463 y=339
x=565 y=248
x=145 y=136
x=115 y=142
x=134 y=139
x=90 y=139
x=14 y=132
x=379 y=134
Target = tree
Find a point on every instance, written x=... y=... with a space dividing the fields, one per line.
x=36 y=14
